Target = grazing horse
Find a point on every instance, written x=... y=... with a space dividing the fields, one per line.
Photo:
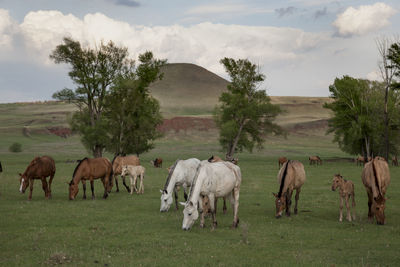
x=395 y=162
x=180 y=174
x=315 y=160
x=117 y=163
x=157 y=162
x=214 y=180
x=360 y=160
x=134 y=172
x=376 y=178
x=346 y=190
x=91 y=169
x=39 y=168
x=281 y=161
x=291 y=176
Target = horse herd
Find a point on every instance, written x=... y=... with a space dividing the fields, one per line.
x=204 y=182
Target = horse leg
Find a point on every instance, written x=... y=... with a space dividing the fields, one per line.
x=224 y=209
x=348 y=217
x=123 y=181
x=288 y=202
x=297 y=200
x=353 y=205
x=92 y=188
x=176 y=199
x=341 y=209
x=235 y=200
x=202 y=215
x=185 y=189
x=212 y=202
x=84 y=188
x=134 y=183
x=30 y=188
x=141 y=183
x=45 y=188
x=116 y=182
x=370 y=214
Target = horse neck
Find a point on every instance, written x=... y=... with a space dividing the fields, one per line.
x=77 y=177
x=171 y=185
x=197 y=184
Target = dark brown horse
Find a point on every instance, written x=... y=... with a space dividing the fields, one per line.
x=117 y=163
x=376 y=178
x=39 y=168
x=291 y=176
x=91 y=169
x=157 y=162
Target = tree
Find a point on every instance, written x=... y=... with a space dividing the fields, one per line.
x=132 y=113
x=245 y=115
x=358 y=121
x=93 y=71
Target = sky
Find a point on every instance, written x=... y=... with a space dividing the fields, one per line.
x=300 y=46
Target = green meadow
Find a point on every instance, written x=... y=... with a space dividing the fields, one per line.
x=129 y=230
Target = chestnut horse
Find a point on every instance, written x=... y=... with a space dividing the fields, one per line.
x=39 y=168
x=376 y=178
x=291 y=176
x=91 y=169
x=281 y=161
x=117 y=163
x=315 y=160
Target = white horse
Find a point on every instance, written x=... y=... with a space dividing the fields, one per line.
x=181 y=173
x=133 y=172
x=214 y=180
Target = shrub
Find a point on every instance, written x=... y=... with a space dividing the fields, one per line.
x=15 y=147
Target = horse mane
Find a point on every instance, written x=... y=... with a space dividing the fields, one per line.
x=375 y=176
x=170 y=174
x=283 y=179
x=211 y=158
x=112 y=162
x=76 y=168
x=194 y=181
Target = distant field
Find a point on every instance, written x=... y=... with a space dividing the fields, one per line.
x=129 y=230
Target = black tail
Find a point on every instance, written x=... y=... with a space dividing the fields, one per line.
x=283 y=179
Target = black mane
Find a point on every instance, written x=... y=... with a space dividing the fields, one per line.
x=283 y=179
x=76 y=168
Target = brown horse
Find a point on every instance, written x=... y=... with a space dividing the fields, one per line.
x=376 y=178
x=157 y=163
x=281 y=161
x=315 y=160
x=39 y=168
x=360 y=160
x=291 y=176
x=346 y=190
x=91 y=169
x=395 y=162
x=117 y=164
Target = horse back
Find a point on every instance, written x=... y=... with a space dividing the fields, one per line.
x=381 y=174
x=40 y=167
x=119 y=161
x=295 y=176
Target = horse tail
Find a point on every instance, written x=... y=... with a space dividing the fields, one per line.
x=283 y=178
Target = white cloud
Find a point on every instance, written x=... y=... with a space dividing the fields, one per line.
x=226 y=9
x=374 y=75
x=7 y=29
x=364 y=19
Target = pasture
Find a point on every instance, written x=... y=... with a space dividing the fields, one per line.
x=129 y=229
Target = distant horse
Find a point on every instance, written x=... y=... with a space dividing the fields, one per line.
x=157 y=162
x=180 y=174
x=134 y=172
x=281 y=161
x=117 y=163
x=39 y=168
x=376 y=178
x=360 y=160
x=395 y=162
x=219 y=179
x=91 y=169
x=315 y=160
x=346 y=190
x=291 y=176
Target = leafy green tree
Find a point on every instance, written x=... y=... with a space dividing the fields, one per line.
x=358 y=123
x=93 y=71
x=132 y=113
x=245 y=115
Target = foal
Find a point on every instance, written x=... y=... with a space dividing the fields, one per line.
x=134 y=172
x=346 y=190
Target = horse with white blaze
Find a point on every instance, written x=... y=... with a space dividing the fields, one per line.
x=180 y=174
x=220 y=179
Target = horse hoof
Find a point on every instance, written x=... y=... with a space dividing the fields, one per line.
x=117 y=191
x=295 y=212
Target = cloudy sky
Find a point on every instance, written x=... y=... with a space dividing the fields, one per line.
x=300 y=45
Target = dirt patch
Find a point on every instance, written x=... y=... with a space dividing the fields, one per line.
x=60 y=131
x=183 y=124
x=308 y=126
x=58 y=258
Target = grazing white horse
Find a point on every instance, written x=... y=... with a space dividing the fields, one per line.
x=133 y=172
x=214 y=180
x=181 y=173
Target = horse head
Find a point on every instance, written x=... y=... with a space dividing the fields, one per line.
x=211 y=158
x=24 y=182
x=166 y=200
x=125 y=170
x=190 y=215
x=336 y=181
x=73 y=190
x=378 y=208
x=280 y=204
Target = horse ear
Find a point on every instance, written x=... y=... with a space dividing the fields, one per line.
x=275 y=195
x=161 y=191
x=191 y=203
x=182 y=203
x=20 y=174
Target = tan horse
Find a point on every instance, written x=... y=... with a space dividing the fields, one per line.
x=91 y=169
x=39 y=168
x=360 y=160
x=291 y=176
x=346 y=190
x=376 y=178
x=117 y=164
x=315 y=160
x=395 y=162
x=281 y=161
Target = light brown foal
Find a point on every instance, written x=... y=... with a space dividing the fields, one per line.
x=346 y=190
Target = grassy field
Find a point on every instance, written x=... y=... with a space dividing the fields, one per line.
x=129 y=229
